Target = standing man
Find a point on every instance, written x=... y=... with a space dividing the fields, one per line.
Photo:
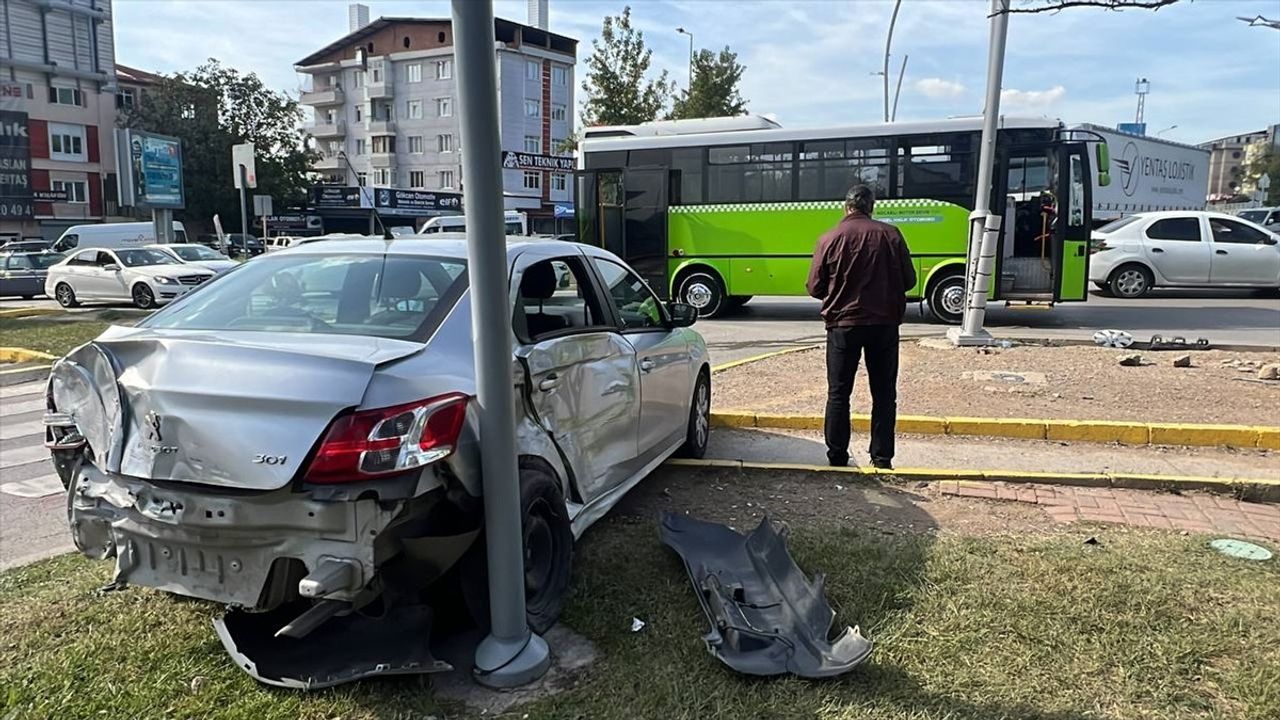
x=861 y=272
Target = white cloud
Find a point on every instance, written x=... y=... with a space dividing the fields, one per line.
x=1034 y=99
x=938 y=89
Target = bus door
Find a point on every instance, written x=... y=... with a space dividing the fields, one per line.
x=1076 y=219
x=645 y=225
x=1027 y=191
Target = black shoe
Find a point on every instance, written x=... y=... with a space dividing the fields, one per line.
x=837 y=461
x=882 y=463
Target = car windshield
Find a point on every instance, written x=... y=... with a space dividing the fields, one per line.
x=1115 y=225
x=191 y=253
x=396 y=296
x=1253 y=216
x=140 y=257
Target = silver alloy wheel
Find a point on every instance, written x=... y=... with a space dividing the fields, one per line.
x=64 y=295
x=143 y=298
x=1130 y=282
x=702 y=413
x=698 y=295
x=953 y=300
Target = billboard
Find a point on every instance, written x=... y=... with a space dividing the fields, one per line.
x=150 y=170
x=415 y=202
x=512 y=160
x=15 y=167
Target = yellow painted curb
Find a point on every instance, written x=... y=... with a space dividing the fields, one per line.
x=17 y=355
x=764 y=356
x=21 y=312
x=1253 y=489
x=1129 y=433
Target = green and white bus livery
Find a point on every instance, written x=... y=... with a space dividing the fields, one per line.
x=713 y=212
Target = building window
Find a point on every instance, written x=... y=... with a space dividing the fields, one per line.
x=444 y=107
x=533 y=180
x=559 y=75
x=358 y=78
x=559 y=112
x=415 y=144
x=65 y=96
x=533 y=144
x=417 y=179
x=444 y=143
x=444 y=69
x=413 y=72
x=384 y=145
x=533 y=108
x=362 y=179
x=66 y=142
x=415 y=109
x=125 y=99
x=446 y=179
x=532 y=70
x=382 y=176
x=77 y=191
x=558 y=181
x=359 y=114
x=359 y=146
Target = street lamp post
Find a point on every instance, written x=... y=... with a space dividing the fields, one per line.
x=888 y=42
x=682 y=31
x=1171 y=127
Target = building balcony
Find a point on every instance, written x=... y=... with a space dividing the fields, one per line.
x=329 y=162
x=382 y=160
x=381 y=127
x=379 y=91
x=325 y=96
x=328 y=130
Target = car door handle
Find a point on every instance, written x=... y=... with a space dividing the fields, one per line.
x=1157 y=250
x=646 y=365
x=1220 y=252
x=550 y=382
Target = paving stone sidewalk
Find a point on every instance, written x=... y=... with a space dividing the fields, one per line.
x=1193 y=512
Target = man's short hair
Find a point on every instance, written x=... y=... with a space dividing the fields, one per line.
x=860 y=198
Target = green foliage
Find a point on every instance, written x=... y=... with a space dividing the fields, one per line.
x=616 y=87
x=714 y=92
x=1267 y=164
x=212 y=108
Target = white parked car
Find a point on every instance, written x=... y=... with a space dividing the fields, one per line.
x=1183 y=249
x=1267 y=217
x=143 y=276
x=195 y=254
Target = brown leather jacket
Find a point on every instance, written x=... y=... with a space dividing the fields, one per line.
x=861 y=272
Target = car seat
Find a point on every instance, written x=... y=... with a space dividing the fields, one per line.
x=539 y=283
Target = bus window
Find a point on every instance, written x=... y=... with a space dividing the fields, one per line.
x=1028 y=176
x=749 y=173
x=938 y=167
x=828 y=168
x=1075 y=203
x=690 y=164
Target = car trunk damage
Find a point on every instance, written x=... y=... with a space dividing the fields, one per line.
x=766 y=617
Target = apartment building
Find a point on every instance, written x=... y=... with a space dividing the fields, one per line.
x=385 y=97
x=57 y=111
x=1228 y=162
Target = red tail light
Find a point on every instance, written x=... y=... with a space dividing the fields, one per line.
x=371 y=443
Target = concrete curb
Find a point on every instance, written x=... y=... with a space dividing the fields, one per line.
x=1102 y=431
x=17 y=376
x=17 y=355
x=21 y=312
x=763 y=356
x=1251 y=489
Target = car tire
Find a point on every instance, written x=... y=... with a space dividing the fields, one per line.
x=703 y=291
x=699 y=431
x=548 y=552
x=143 y=297
x=946 y=299
x=65 y=295
x=1130 y=281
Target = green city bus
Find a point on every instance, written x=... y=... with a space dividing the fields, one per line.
x=713 y=212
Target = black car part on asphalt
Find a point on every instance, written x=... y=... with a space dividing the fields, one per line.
x=766 y=617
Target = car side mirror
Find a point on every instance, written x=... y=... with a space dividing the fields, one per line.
x=1270 y=241
x=682 y=314
x=112 y=267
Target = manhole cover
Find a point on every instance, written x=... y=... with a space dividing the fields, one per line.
x=1241 y=549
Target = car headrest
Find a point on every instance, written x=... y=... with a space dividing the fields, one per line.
x=539 y=282
x=402 y=281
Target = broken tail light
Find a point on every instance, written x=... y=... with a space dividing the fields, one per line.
x=372 y=443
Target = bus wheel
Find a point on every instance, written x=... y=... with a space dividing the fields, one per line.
x=703 y=291
x=946 y=299
x=737 y=301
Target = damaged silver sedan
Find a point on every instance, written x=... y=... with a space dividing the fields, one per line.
x=300 y=435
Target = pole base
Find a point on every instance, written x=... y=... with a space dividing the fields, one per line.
x=960 y=338
x=502 y=664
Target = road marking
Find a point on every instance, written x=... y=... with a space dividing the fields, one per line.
x=22 y=456
x=33 y=488
x=22 y=406
x=9 y=431
x=31 y=388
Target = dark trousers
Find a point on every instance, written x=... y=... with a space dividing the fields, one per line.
x=879 y=343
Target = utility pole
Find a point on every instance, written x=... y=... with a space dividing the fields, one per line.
x=682 y=31
x=893 y=117
x=511 y=655
x=984 y=225
x=244 y=213
x=888 y=42
x=1141 y=88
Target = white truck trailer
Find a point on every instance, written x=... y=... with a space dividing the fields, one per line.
x=1149 y=174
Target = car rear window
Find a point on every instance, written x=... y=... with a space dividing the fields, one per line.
x=1115 y=225
x=395 y=296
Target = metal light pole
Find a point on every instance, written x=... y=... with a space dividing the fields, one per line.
x=682 y=31
x=893 y=117
x=888 y=42
x=511 y=655
x=984 y=225
x=1171 y=127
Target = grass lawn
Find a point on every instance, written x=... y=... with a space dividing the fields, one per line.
x=1149 y=625
x=46 y=334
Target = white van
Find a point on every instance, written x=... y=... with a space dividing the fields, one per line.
x=112 y=235
x=517 y=223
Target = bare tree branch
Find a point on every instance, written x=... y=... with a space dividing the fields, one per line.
x=1053 y=6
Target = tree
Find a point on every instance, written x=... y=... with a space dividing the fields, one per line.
x=212 y=108
x=1268 y=163
x=714 y=92
x=1040 y=6
x=616 y=87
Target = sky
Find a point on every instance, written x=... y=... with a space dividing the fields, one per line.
x=818 y=63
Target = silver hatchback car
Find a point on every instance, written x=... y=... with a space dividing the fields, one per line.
x=303 y=429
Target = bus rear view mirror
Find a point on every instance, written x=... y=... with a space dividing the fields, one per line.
x=1104 y=178
x=1102 y=154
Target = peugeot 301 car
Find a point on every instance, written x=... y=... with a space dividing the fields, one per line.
x=301 y=431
